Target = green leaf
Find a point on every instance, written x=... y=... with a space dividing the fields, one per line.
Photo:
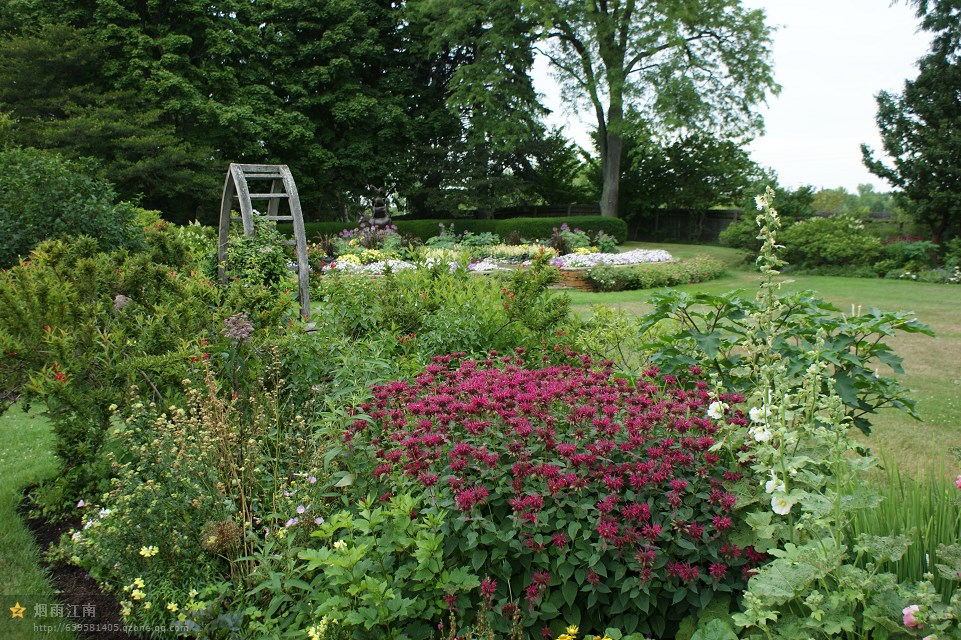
x=715 y=630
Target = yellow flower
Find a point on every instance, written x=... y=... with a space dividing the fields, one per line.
x=193 y=593
x=137 y=594
x=317 y=631
x=149 y=552
x=340 y=544
x=172 y=607
x=147 y=605
x=138 y=583
x=572 y=630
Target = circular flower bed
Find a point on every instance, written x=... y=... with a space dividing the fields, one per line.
x=635 y=256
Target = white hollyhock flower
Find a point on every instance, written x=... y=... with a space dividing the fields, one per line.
x=773 y=484
x=762 y=434
x=780 y=505
x=757 y=414
x=716 y=410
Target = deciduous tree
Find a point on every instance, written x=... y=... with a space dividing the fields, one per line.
x=678 y=63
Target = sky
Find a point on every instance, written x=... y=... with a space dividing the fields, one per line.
x=831 y=57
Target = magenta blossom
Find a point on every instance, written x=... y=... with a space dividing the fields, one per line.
x=909 y=613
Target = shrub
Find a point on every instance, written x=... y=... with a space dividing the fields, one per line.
x=952 y=253
x=653 y=275
x=915 y=255
x=827 y=242
x=585 y=498
x=377 y=572
x=45 y=196
x=438 y=310
x=77 y=326
x=257 y=260
x=741 y=234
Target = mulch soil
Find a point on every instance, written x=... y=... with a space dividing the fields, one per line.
x=74 y=586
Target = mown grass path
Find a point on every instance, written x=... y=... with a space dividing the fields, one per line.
x=26 y=457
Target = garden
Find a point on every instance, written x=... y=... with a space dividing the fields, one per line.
x=451 y=446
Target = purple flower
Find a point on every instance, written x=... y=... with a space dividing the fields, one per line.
x=301 y=508
x=238 y=327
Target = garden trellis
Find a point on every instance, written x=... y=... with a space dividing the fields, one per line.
x=282 y=187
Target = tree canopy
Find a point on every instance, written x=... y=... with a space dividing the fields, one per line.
x=921 y=128
x=679 y=65
x=431 y=101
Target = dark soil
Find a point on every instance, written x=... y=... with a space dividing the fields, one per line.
x=73 y=585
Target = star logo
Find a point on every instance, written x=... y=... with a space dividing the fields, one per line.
x=16 y=611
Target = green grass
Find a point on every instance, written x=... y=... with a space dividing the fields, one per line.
x=932 y=365
x=26 y=457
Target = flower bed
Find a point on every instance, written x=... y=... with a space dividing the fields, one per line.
x=382 y=266
x=577 y=494
x=635 y=256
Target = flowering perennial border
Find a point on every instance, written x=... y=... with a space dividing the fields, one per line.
x=571 y=474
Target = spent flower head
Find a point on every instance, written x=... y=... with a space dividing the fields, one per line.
x=238 y=327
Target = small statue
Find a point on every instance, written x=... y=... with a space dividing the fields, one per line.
x=379 y=215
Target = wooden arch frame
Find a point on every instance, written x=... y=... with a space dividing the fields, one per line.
x=282 y=187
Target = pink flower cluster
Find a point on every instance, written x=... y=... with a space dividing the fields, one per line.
x=631 y=460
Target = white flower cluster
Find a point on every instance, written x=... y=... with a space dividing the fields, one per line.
x=780 y=503
x=372 y=268
x=759 y=431
x=635 y=256
x=483 y=266
x=380 y=267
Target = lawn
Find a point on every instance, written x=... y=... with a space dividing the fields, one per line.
x=26 y=457
x=932 y=365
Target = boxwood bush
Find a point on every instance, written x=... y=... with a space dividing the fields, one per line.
x=650 y=276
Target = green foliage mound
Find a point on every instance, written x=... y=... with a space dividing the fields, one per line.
x=659 y=274
x=838 y=241
x=45 y=196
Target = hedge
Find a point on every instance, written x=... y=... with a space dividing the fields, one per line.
x=654 y=275
x=527 y=227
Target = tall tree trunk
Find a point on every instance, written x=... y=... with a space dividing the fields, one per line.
x=611 y=173
x=611 y=149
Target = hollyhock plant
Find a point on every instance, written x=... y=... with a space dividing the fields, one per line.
x=572 y=488
x=909 y=614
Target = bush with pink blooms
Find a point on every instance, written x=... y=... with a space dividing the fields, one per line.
x=586 y=497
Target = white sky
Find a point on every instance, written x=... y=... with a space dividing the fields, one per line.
x=830 y=57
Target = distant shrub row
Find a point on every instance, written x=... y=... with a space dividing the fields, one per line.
x=525 y=227
x=654 y=275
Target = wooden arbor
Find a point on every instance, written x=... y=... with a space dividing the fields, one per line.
x=282 y=187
